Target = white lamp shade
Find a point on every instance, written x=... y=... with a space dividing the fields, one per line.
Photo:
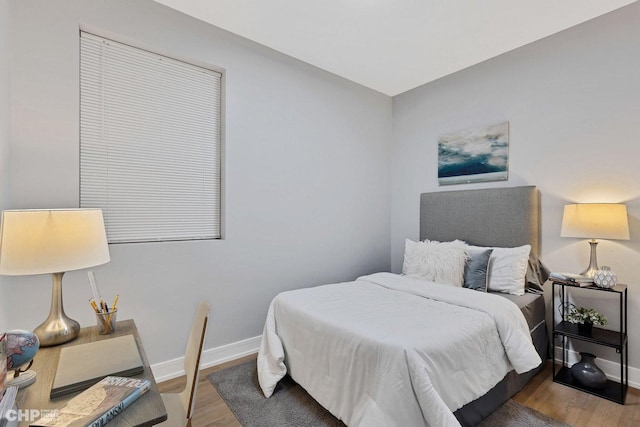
x=595 y=221
x=51 y=241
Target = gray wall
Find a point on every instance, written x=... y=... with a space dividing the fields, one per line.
x=573 y=104
x=306 y=179
x=5 y=136
x=307 y=161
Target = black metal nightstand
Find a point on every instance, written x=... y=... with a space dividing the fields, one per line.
x=613 y=390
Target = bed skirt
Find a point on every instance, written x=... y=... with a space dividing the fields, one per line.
x=473 y=412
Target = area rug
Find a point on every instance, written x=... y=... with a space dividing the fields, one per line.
x=291 y=405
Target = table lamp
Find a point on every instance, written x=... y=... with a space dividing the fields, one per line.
x=595 y=221
x=52 y=241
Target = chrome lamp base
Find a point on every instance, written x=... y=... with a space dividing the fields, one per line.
x=58 y=328
x=593 y=261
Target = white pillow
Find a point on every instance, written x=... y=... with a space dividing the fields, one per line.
x=441 y=262
x=507 y=269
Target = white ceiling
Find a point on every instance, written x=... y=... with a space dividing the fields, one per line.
x=394 y=45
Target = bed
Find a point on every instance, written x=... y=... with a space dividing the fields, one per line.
x=388 y=349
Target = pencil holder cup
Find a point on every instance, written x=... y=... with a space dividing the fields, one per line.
x=107 y=322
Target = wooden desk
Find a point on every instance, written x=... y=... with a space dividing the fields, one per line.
x=146 y=411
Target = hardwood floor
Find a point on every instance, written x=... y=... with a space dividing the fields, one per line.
x=575 y=407
x=210 y=408
x=563 y=403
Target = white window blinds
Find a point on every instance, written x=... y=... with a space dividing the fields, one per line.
x=149 y=143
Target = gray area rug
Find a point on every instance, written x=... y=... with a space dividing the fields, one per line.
x=513 y=414
x=291 y=405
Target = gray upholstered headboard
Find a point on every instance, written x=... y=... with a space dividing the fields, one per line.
x=504 y=217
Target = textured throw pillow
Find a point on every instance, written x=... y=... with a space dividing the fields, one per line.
x=508 y=269
x=476 y=270
x=440 y=262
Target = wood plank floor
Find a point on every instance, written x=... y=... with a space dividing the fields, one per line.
x=563 y=403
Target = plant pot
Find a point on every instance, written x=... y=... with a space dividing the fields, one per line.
x=587 y=373
x=585 y=328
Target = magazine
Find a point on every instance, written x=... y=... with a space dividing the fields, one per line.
x=571 y=279
x=97 y=405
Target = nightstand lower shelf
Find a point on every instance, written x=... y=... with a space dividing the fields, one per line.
x=613 y=390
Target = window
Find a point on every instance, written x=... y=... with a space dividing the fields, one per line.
x=150 y=145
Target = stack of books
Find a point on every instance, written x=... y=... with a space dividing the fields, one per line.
x=8 y=404
x=113 y=357
x=3 y=363
x=7 y=394
x=571 y=279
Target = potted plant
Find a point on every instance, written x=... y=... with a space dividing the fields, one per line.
x=585 y=318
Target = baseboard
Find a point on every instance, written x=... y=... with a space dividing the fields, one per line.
x=611 y=369
x=214 y=356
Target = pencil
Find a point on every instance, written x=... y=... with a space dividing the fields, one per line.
x=115 y=302
x=94 y=306
x=105 y=326
x=113 y=307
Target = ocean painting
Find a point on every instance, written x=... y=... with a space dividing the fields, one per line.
x=474 y=155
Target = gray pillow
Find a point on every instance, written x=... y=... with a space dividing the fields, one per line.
x=537 y=274
x=476 y=270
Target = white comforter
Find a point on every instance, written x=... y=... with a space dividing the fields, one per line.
x=388 y=350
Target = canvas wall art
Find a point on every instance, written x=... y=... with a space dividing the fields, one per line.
x=474 y=155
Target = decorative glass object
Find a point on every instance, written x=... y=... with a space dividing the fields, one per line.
x=605 y=278
x=587 y=373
